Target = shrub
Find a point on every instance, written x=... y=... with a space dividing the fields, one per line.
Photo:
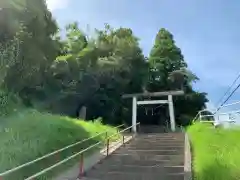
x=9 y=103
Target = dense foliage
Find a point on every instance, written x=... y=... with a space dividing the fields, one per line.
x=60 y=74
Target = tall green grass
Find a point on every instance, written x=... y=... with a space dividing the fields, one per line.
x=29 y=134
x=216 y=152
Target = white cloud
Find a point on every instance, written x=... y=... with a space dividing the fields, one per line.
x=57 y=4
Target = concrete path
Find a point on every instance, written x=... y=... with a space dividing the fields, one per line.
x=90 y=161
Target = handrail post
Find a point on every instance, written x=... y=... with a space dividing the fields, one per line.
x=106 y=136
x=57 y=158
x=107 y=146
x=81 y=169
x=123 y=138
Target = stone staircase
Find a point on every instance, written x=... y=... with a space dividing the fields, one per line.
x=151 y=156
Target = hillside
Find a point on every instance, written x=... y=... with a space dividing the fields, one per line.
x=215 y=152
x=29 y=134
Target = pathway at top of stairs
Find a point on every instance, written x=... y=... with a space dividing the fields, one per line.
x=158 y=156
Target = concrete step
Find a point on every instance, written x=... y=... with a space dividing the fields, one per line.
x=158 y=142
x=152 y=129
x=117 y=162
x=146 y=157
x=152 y=144
x=134 y=176
x=159 y=133
x=152 y=152
x=139 y=168
x=160 y=137
x=140 y=147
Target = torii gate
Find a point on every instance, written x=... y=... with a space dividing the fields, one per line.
x=135 y=102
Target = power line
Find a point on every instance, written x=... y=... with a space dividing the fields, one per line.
x=226 y=105
x=228 y=98
x=228 y=90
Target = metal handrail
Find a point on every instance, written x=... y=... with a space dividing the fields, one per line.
x=195 y=118
x=75 y=155
x=199 y=113
x=61 y=162
x=52 y=153
x=123 y=130
x=215 y=121
x=123 y=137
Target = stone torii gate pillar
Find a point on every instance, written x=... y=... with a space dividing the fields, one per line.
x=135 y=102
x=171 y=113
x=134 y=113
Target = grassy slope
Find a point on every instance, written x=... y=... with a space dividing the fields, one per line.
x=216 y=152
x=30 y=134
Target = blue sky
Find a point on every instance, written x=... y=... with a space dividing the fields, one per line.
x=208 y=32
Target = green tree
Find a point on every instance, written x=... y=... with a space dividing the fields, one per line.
x=165 y=58
x=32 y=25
x=182 y=77
x=95 y=72
x=169 y=71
